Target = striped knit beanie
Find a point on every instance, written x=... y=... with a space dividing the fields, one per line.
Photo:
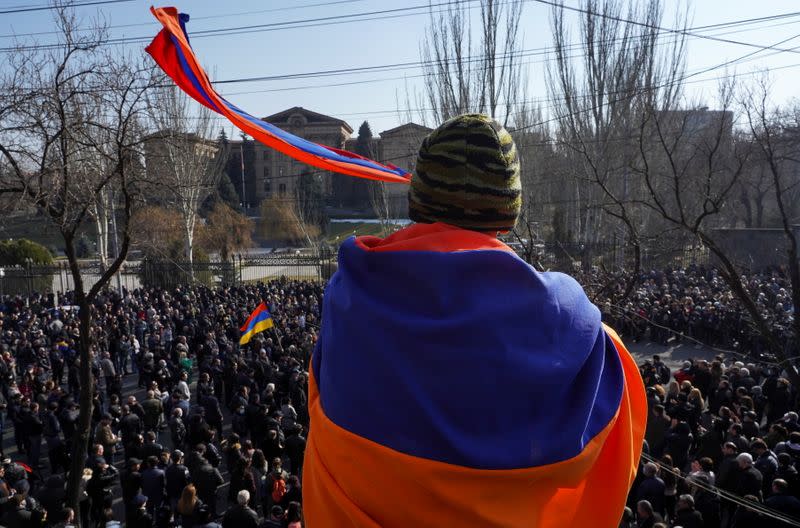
x=467 y=175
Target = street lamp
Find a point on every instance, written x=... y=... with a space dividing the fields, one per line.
x=2 y=282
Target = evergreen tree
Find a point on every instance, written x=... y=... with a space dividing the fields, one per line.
x=358 y=188
x=225 y=191
x=364 y=145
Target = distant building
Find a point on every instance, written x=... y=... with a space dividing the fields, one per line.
x=268 y=173
x=162 y=148
x=399 y=146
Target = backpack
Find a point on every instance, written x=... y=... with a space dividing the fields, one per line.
x=278 y=489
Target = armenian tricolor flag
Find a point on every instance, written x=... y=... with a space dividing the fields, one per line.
x=173 y=53
x=258 y=321
x=455 y=385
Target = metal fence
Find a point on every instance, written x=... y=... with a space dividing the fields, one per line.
x=610 y=256
x=311 y=265
x=317 y=264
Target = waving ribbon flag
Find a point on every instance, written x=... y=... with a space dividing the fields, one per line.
x=173 y=53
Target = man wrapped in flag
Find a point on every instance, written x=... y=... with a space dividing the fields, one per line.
x=258 y=321
x=453 y=384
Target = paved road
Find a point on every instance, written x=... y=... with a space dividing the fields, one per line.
x=672 y=355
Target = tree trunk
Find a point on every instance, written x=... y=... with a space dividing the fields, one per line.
x=80 y=442
x=101 y=222
x=190 y=250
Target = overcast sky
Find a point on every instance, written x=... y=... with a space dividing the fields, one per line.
x=376 y=96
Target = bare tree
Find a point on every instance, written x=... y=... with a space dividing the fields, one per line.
x=754 y=191
x=601 y=98
x=60 y=109
x=183 y=162
x=775 y=138
x=463 y=76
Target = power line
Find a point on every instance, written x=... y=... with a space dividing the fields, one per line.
x=663 y=85
x=469 y=59
x=415 y=64
x=686 y=32
x=391 y=13
x=209 y=17
x=70 y=5
x=275 y=26
x=540 y=51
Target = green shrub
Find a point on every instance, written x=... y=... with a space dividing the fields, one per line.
x=19 y=277
x=16 y=253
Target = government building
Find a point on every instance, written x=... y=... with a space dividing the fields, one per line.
x=266 y=173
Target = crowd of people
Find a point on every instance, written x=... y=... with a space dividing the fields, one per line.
x=189 y=429
x=694 y=303
x=722 y=447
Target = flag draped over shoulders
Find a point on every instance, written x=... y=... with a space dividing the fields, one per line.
x=173 y=53
x=454 y=384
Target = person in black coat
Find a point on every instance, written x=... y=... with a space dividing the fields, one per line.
x=131 y=480
x=746 y=517
x=706 y=502
x=781 y=500
x=685 y=514
x=153 y=484
x=33 y=427
x=177 y=477
x=199 y=431
x=68 y=417
x=99 y=488
x=152 y=448
x=240 y=515
x=56 y=451
x=52 y=496
x=130 y=426
x=728 y=474
x=679 y=440
x=750 y=479
x=213 y=412
x=177 y=428
x=17 y=516
x=651 y=489
x=295 y=449
x=139 y=517
x=207 y=479
x=645 y=516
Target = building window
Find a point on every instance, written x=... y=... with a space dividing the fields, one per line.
x=266 y=173
x=268 y=188
x=265 y=154
x=282 y=189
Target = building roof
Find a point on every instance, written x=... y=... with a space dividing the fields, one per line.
x=408 y=128
x=311 y=117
